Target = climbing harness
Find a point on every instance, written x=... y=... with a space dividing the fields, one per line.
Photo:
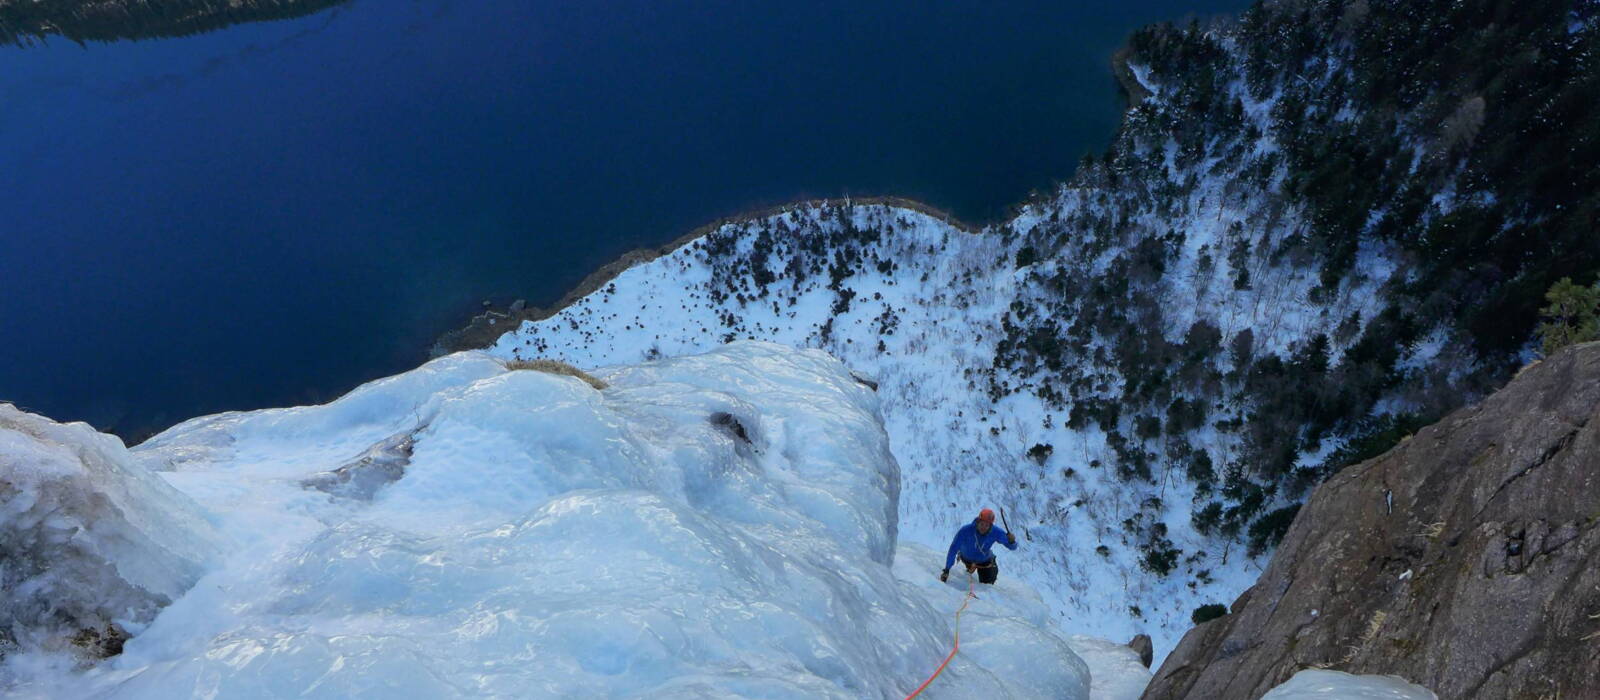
x=972 y=566
x=957 y=647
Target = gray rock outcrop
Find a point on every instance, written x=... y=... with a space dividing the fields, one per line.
x=1141 y=645
x=1466 y=559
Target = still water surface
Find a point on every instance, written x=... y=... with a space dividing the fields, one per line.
x=273 y=213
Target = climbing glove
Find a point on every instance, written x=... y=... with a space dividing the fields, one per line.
x=1010 y=538
x=944 y=576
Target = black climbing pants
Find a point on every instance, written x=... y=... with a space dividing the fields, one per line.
x=987 y=571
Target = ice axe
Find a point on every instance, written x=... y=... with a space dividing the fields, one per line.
x=1004 y=523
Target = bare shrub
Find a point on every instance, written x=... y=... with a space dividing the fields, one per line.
x=555 y=367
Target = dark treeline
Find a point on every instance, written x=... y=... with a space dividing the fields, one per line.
x=24 y=22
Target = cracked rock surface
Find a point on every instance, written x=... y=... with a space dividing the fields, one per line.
x=1466 y=559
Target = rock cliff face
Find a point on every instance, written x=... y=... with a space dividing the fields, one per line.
x=1467 y=559
x=25 y=21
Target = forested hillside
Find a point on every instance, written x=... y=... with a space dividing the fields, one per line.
x=1381 y=191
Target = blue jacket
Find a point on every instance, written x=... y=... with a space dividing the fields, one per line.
x=975 y=547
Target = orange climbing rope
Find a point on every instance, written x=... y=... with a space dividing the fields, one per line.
x=957 y=647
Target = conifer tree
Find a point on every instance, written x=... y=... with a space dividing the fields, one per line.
x=1573 y=315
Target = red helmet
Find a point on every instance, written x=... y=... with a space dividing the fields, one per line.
x=986 y=515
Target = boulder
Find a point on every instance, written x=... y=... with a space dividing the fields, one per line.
x=1141 y=645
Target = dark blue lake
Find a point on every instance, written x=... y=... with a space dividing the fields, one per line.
x=273 y=213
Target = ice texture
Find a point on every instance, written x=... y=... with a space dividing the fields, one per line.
x=91 y=544
x=542 y=538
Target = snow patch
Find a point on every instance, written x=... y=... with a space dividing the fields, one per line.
x=1115 y=670
x=1142 y=74
x=1317 y=684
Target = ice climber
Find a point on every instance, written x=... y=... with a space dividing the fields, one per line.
x=972 y=543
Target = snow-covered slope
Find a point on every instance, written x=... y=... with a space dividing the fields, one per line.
x=719 y=525
x=917 y=305
x=1148 y=365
